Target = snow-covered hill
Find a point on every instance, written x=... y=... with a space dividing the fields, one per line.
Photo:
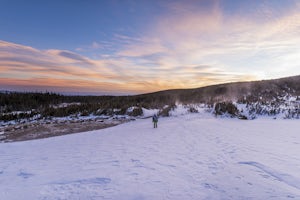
x=187 y=157
x=278 y=98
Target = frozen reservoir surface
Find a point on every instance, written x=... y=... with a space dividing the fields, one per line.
x=186 y=157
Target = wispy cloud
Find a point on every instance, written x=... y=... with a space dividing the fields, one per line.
x=30 y=65
x=235 y=43
x=189 y=46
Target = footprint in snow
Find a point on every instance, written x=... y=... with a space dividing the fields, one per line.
x=166 y=165
x=269 y=172
x=97 y=180
x=199 y=162
x=25 y=175
x=290 y=196
x=137 y=163
x=114 y=163
x=210 y=186
x=140 y=164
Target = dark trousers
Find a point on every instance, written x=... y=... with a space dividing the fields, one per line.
x=155 y=124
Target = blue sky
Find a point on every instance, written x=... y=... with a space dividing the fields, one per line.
x=70 y=24
x=130 y=47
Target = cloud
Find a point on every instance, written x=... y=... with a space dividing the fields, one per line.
x=71 y=56
x=103 y=45
x=147 y=47
x=64 y=86
x=19 y=60
x=246 y=44
x=193 y=44
x=24 y=67
x=96 y=45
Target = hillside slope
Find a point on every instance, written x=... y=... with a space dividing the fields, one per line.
x=245 y=100
x=253 y=91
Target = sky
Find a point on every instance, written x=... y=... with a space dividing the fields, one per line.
x=124 y=47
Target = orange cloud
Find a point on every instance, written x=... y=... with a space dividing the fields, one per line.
x=185 y=48
x=57 y=70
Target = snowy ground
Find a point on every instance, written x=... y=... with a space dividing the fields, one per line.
x=187 y=157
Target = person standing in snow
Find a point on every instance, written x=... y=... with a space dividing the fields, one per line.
x=155 y=120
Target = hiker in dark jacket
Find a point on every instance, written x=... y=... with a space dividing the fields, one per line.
x=155 y=120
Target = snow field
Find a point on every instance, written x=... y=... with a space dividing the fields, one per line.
x=187 y=157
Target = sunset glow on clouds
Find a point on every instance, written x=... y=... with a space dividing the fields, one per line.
x=175 y=44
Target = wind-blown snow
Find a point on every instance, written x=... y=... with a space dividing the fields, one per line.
x=186 y=157
x=149 y=112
